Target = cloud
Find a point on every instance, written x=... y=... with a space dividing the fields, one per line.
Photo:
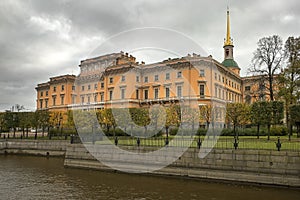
x=40 y=39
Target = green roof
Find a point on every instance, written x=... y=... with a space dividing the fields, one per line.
x=230 y=63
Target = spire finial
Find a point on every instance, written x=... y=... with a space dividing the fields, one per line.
x=228 y=40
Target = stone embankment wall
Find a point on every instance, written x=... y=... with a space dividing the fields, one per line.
x=34 y=147
x=251 y=166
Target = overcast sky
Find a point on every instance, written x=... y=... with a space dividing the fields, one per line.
x=40 y=39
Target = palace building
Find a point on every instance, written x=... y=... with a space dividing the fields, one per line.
x=118 y=80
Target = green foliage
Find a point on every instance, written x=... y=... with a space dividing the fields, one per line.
x=295 y=114
x=274 y=131
x=277 y=112
x=237 y=114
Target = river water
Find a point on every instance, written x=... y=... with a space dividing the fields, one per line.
x=25 y=177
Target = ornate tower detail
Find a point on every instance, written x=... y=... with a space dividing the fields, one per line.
x=228 y=49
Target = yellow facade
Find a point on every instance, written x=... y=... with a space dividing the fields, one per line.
x=56 y=93
x=117 y=80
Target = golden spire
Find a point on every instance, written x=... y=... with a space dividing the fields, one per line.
x=228 y=40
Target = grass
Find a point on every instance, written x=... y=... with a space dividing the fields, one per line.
x=223 y=142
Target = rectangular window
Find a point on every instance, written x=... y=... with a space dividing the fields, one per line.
x=73 y=87
x=179 y=74
x=102 y=97
x=62 y=99
x=179 y=91
x=262 y=86
x=111 y=80
x=137 y=78
x=102 y=85
x=89 y=87
x=145 y=94
x=41 y=103
x=247 y=88
x=110 y=95
x=46 y=93
x=54 y=89
x=216 y=91
x=95 y=98
x=96 y=86
x=219 y=93
x=123 y=79
x=167 y=76
x=46 y=103
x=82 y=99
x=89 y=99
x=156 y=93
x=146 y=79
x=137 y=94
x=202 y=92
x=167 y=92
x=73 y=99
x=41 y=94
x=216 y=76
x=123 y=93
x=202 y=72
x=54 y=100
x=82 y=88
x=156 y=77
x=62 y=87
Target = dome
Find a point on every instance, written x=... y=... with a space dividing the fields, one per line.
x=230 y=63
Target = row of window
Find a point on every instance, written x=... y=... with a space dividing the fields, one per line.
x=62 y=101
x=228 y=96
x=87 y=99
x=156 y=77
x=54 y=90
x=145 y=94
x=227 y=82
x=261 y=87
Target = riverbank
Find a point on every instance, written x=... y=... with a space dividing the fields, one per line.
x=34 y=147
x=277 y=168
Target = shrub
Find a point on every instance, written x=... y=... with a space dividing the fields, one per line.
x=279 y=131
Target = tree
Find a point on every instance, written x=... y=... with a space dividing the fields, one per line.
x=2 y=122
x=277 y=112
x=295 y=117
x=172 y=117
x=12 y=121
x=267 y=60
x=258 y=115
x=206 y=114
x=44 y=118
x=121 y=116
x=106 y=118
x=267 y=113
x=55 y=118
x=237 y=114
x=289 y=79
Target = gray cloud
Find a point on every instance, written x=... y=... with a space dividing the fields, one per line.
x=40 y=39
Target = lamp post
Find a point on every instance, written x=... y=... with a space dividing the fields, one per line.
x=14 y=125
x=278 y=144
x=236 y=143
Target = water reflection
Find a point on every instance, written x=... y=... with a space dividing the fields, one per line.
x=41 y=178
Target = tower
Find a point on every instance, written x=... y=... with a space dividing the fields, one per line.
x=228 y=50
